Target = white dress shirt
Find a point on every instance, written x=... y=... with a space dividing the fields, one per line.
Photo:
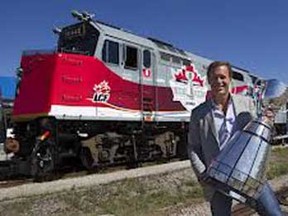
x=223 y=123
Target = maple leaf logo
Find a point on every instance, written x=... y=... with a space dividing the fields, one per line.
x=189 y=72
x=102 y=88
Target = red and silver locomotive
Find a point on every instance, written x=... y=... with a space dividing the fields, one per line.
x=107 y=96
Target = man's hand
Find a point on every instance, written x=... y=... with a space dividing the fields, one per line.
x=269 y=113
x=203 y=178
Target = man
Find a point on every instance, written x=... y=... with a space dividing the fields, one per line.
x=212 y=124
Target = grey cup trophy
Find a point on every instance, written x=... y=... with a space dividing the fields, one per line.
x=239 y=169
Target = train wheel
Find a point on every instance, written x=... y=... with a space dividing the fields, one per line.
x=42 y=161
x=86 y=158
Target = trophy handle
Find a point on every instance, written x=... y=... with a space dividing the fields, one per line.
x=269 y=93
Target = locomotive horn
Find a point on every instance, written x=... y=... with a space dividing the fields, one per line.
x=240 y=167
x=77 y=15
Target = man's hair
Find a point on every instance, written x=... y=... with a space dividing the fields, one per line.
x=215 y=64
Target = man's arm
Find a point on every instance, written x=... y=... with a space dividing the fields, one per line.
x=194 y=146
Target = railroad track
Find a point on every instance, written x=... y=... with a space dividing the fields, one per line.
x=282 y=196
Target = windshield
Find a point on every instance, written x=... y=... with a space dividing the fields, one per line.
x=80 y=38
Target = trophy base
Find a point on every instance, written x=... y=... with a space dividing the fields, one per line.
x=233 y=193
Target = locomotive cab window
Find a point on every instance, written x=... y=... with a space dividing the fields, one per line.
x=110 y=52
x=237 y=76
x=131 y=57
x=186 y=62
x=165 y=56
x=146 y=58
x=254 y=79
x=81 y=38
x=176 y=60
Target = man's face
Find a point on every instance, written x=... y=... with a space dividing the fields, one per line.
x=219 y=81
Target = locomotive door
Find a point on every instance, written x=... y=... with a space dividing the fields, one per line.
x=148 y=88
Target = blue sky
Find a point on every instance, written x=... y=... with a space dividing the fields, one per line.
x=251 y=34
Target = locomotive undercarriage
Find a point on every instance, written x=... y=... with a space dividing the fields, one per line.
x=112 y=148
x=45 y=143
x=128 y=143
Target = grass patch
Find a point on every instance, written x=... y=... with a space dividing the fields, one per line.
x=135 y=198
x=143 y=196
x=278 y=164
x=276 y=170
x=150 y=201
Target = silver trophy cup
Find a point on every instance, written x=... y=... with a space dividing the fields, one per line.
x=239 y=169
x=241 y=165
